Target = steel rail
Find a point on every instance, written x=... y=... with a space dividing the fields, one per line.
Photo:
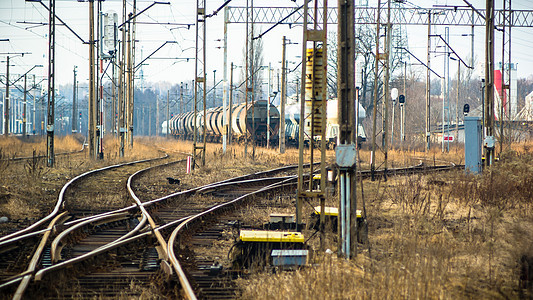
x=59 y=203
x=185 y=284
x=36 y=257
x=125 y=240
x=215 y=187
x=187 y=288
x=57 y=245
x=162 y=250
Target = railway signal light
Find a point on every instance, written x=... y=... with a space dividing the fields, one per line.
x=401 y=99
x=466 y=109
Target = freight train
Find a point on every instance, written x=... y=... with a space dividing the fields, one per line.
x=242 y=121
x=292 y=120
x=182 y=125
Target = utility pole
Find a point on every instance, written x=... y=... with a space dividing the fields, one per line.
x=313 y=122
x=157 y=115
x=283 y=99
x=129 y=80
x=51 y=85
x=225 y=124
x=34 y=104
x=99 y=88
x=131 y=75
x=382 y=59
x=402 y=105
x=74 y=103
x=506 y=67
x=121 y=87
x=6 y=102
x=168 y=112
x=181 y=98
x=457 y=103
x=230 y=113
x=200 y=82
x=268 y=104
x=92 y=95
x=24 y=108
x=252 y=77
x=346 y=152
x=445 y=88
x=428 y=87
x=246 y=73
x=489 y=82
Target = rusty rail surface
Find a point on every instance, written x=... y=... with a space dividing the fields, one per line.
x=192 y=221
x=12 y=237
x=185 y=284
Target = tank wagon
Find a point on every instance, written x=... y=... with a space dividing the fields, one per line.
x=292 y=121
x=242 y=122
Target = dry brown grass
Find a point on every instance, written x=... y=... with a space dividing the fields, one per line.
x=439 y=236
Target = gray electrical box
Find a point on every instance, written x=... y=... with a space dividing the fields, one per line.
x=346 y=155
x=473 y=144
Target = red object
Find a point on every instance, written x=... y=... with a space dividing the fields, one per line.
x=449 y=138
x=501 y=94
x=189 y=164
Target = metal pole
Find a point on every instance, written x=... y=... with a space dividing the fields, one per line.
x=24 y=108
x=100 y=94
x=129 y=84
x=157 y=115
x=392 y=123
x=225 y=89
x=204 y=88
x=114 y=109
x=200 y=81
x=489 y=82
x=402 y=106
x=131 y=74
x=388 y=39
x=443 y=89
x=74 y=102
x=230 y=104
x=6 y=102
x=347 y=116
x=374 y=108
x=268 y=106
x=181 y=98
x=92 y=96
x=457 y=104
x=34 y=104
x=502 y=70
x=51 y=86
x=252 y=78
x=246 y=85
x=283 y=99
x=448 y=122
x=168 y=113
x=428 y=87
x=121 y=89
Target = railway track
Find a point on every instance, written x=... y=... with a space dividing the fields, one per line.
x=126 y=248
x=201 y=276
x=91 y=232
x=26 y=248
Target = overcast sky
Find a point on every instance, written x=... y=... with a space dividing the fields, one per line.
x=30 y=37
